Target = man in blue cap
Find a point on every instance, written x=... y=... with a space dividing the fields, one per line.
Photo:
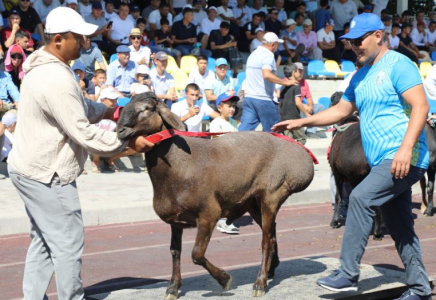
x=121 y=72
x=389 y=95
x=220 y=83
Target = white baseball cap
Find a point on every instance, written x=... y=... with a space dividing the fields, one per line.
x=259 y=29
x=108 y=93
x=271 y=37
x=65 y=19
x=142 y=69
x=289 y=22
x=71 y=1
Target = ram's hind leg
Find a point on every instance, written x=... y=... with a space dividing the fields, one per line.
x=206 y=225
x=176 y=249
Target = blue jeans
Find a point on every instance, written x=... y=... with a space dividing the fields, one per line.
x=316 y=109
x=256 y=111
x=186 y=50
x=394 y=197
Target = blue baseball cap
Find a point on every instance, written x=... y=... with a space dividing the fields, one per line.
x=220 y=61
x=123 y=49
x=363 y=23
x=78 y=66
x=97 y=5
x=226 y=97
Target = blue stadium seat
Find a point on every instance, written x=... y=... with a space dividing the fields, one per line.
x=240 y=78
x=123 y=101
x=230 y=73
x=113 y=57
x=324 y=101
x=348 y=66
x=211 y=64
x=317 y=68
x=35 y=36
x=433 y=55
x=432 y=106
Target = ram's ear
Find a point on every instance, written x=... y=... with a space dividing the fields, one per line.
x=170 y=119
x=125 y=122
x=125 y=133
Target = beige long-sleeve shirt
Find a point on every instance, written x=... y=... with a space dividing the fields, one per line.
x=54 y=126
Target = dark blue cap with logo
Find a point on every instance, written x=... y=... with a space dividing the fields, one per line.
x=361 y=24
x=14 y=11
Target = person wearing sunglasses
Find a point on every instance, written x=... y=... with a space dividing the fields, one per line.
x=389 y=95
x=14 y=64
x=273 y=24
x=138 y=53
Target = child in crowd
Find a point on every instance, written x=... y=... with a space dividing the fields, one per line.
x=140 y=24
x=163 y=41
x=226 y=105
x=99 y=79
x=260 y=32
x=9 y=120
x=291 y=104
x=143 y=83
x=87 y=86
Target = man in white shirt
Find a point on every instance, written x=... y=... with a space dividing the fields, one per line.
x=190 y=112
x=199 y=13
x=379 y=5
x=419 y=35
x=43 y=7
x=153 y=22
x=162 y=82
x=109 y=12
x=431 y=36
x=242 y=12
x=258 y=40
x=394 y=40
x=207 y=25
x=121 y=26
x=282 y=17
x=85 y=8
x=430 y=84
x=257 y=7
x=9 y=120
x=139 y=54
x=201 y=74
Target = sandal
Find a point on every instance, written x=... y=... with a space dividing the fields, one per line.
x=95 y=169
x=111 y=167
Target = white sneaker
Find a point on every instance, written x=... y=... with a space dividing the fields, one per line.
x=223 y=227
x=2 y=176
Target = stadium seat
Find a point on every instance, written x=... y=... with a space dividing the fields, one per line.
x=211 y=64
x=433 y=55
x=123 y=101
x=188 y=63
x=230 y=73
x=424 y=68
x=113 y=58
x=348 y=66
x=332 y=66
x=317 y=68
x=432 y=104
x=97 y=66
x=180 y=80
x=324 y=101
x=172 y=65
x=240 y=79
x=35 y=36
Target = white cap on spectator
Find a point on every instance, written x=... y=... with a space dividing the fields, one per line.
x=71 y=1
x=259 y=29
x=271 y=37
x=65 y=19
x=299 y=65
x=9 y=119
x=289 y=22
x=307 y=22
x=142 y=69
x=108 y=93
x=212 y=8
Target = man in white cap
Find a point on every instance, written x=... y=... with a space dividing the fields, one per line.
x=388 y=93
x=261 y=70
x=44 y=168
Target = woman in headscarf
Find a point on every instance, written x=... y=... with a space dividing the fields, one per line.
x=15 y=58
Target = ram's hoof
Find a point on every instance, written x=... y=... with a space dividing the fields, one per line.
x=171 y=296
x=226 y=287
x=258 y=293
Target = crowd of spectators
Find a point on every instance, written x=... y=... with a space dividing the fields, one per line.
x=144 y=38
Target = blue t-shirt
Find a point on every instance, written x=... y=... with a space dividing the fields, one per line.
x=376 y=91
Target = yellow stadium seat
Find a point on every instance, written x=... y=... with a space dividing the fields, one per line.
x=172 y=65
x=97 y=66
x=332 y=66
x=188 y=63
x=180 y=80
x=424 y=68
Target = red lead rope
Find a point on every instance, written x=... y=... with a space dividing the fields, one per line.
x=166 y=134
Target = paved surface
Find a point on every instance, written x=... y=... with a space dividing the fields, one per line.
x=128 y=257
x=127 y=197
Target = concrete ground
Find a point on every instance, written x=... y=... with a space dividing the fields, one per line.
x=109 y=198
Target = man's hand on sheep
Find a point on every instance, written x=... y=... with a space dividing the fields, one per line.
x=140 y=144
x=288 y=125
